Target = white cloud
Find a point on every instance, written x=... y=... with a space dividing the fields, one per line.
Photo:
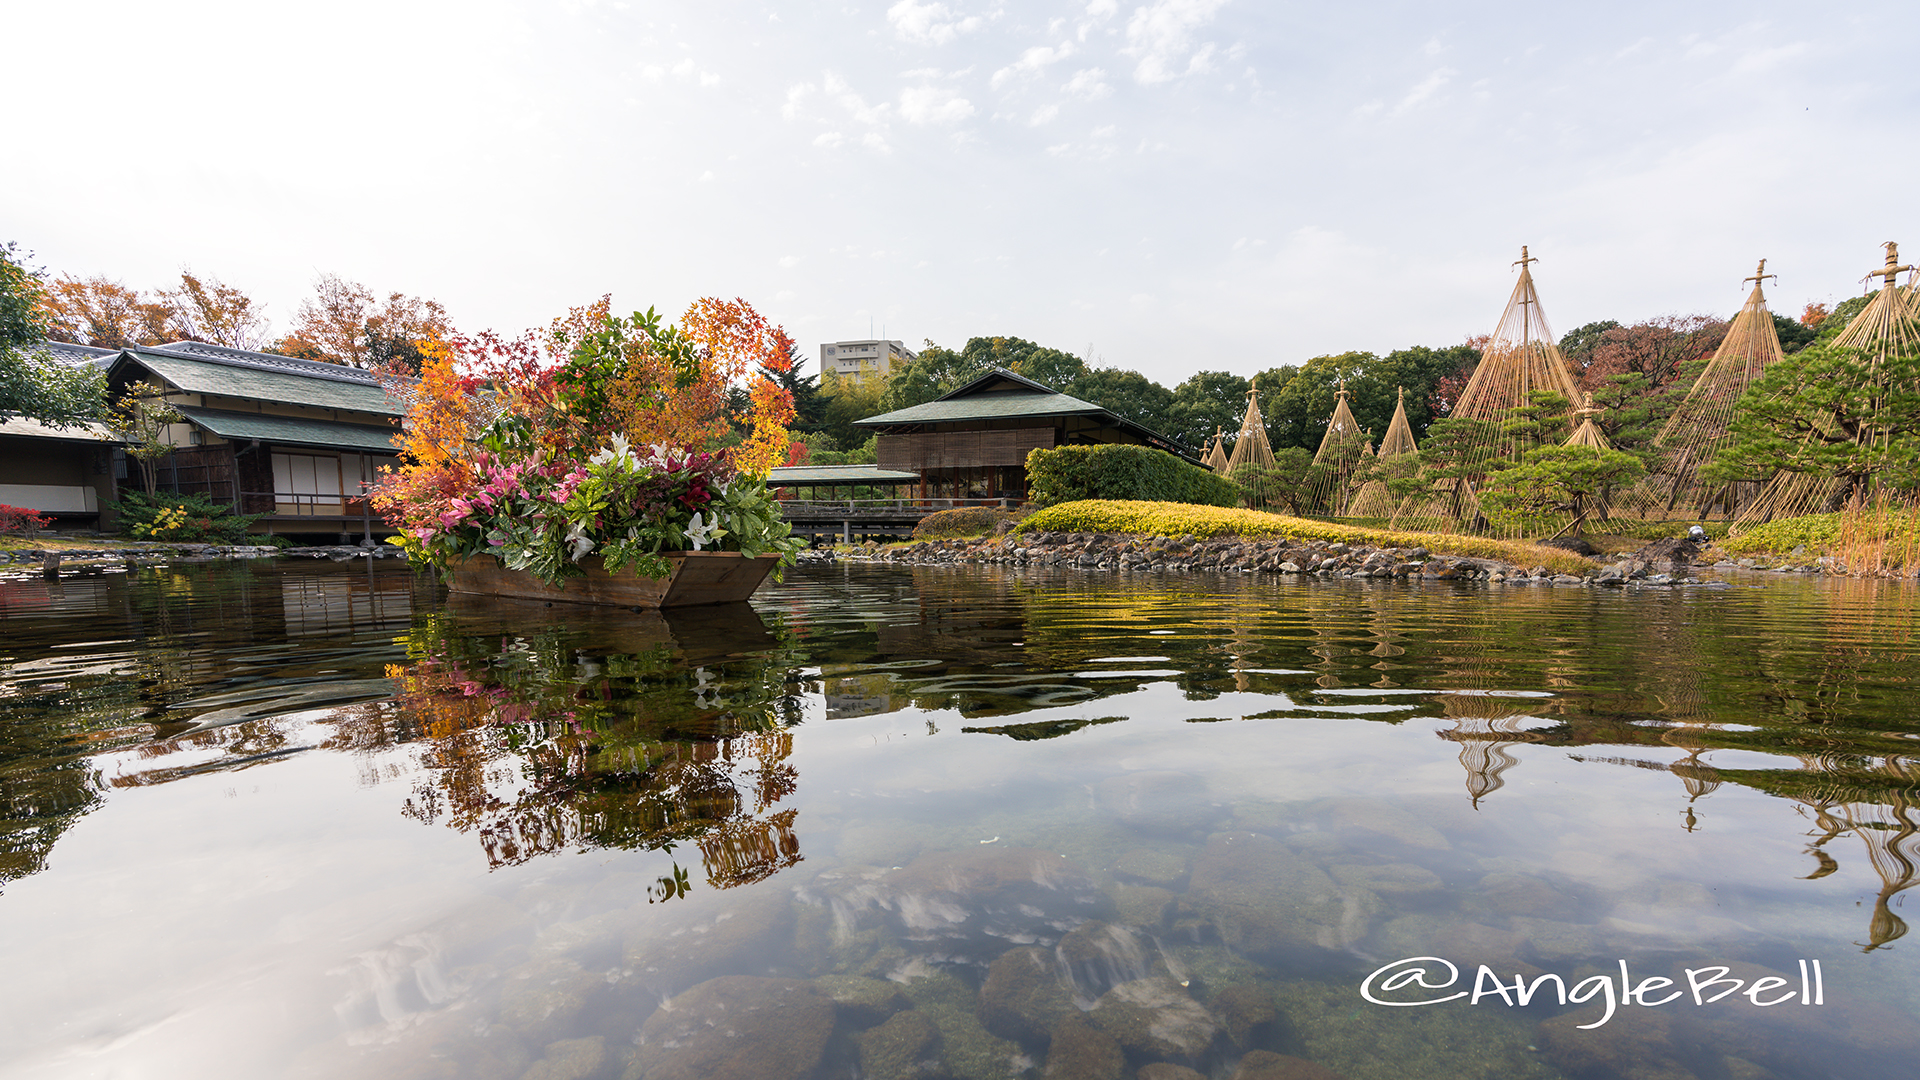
x=653 y=72
x=1032 y=62
x=930 y=24
x=933 y=105
x=836 y=88
x=788 y=262
x=796 y=96
x=829 y=139
x=1161 y=36
x=1103 y=9
x=1044 y=115
x=1088 y=84
x=1426 y=88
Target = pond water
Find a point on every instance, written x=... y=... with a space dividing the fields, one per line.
x=317 y=821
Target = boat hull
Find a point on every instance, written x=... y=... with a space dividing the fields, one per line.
x=698 y=577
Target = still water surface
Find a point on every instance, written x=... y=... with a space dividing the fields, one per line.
x=309 y=821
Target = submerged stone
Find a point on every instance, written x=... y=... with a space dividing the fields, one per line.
x=1150 y=867
x=860 y=1001
x=1024 y=995
x=737 y=1027
x=1099 y=956
x=1265 y=900
x=1144 y=906
x=906 y=1047
x=1079 y=1050
x=966 y=905
x=571 y=1059
x=1267 y=1065
x=543 y=1000
x=1393 y=879
x=971 y=1051
x=1155 y=1017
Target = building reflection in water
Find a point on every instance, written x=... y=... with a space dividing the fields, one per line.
x=672 y=730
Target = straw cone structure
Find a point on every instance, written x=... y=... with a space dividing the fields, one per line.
x=1699 y=427
x=1339 y=455
x=1520 y=358
x=1250 y=447
x=1373 y=499
x=1216 y=458
x=1399 y=438
x=1889 y=324
x=1588 y=433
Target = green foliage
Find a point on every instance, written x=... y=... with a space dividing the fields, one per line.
x=938 y=370
x=1838 y=319
x=1542 y=421
x=1577 y=345
x=843 y=402
x=964 y=521
x=1119 y=471
x=187 y=519
x=1209 y=401
x=1552 y=482
x=1631 y=414
x=1829 y=412
x=1178 y=520
x=1287 y=485
x=1126 y=394
x=32 y=383
x=1817 y=533
x=141 y=418
x=1793 y=334
x=1298 y=402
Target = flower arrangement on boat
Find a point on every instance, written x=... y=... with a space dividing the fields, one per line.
x=603 y=438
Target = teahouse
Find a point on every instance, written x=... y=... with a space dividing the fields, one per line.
x=972 y=442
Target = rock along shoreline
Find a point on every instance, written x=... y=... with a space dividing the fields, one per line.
x=1663 y=564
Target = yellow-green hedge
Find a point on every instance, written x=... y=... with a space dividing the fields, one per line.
x=1180 y=519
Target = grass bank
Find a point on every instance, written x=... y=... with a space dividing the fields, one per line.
x=1182 y=519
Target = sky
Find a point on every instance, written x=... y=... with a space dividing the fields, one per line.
x=1168 y=186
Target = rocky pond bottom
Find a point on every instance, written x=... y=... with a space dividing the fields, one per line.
x=956 y=822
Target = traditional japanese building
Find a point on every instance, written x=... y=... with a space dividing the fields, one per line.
x=297 y=441
x=973 y=441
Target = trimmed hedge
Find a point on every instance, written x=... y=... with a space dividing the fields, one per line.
x=1173 y=519
x=1118 y=471
x=964 y=521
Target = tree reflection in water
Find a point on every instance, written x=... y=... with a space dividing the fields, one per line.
x=607 y=730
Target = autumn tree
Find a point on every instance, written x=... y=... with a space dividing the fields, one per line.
x=104 y=313
x=207 y=309
x=345 y=323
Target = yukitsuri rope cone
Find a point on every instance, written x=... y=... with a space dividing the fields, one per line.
x=1373 y=499
x=1518 y=360
x=1250 y=447
x=1216 y=458
x=1588 y=433
x=1698 y=428
x=1339 y=455
x=1889 y=324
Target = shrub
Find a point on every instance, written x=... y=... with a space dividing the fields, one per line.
x=1066 y=473
x=964 y=521
x=21 y=520
x=190 y=519
x=1174 y=519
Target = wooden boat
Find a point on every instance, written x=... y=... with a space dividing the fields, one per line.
x=698 y=577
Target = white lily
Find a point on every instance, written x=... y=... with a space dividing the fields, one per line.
x=620 y=450
x=699 y=532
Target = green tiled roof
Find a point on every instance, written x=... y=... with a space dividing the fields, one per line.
x=288 y=387
x=997 y=406
x=293 y=430
x=828 y=475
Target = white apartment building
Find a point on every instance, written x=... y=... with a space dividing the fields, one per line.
x=862 y=361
